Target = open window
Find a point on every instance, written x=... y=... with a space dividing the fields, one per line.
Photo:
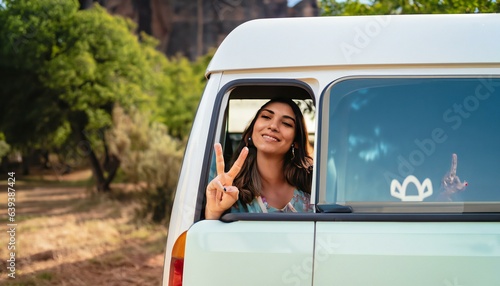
x=239 y=104
x=244 y=102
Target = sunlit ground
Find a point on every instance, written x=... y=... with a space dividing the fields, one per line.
x=65 y=235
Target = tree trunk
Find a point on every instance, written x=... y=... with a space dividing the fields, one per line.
x=111 y=164
x=199 y=30
x=85 y=4
x=103 y=3
x=25 y=164
x=79 y=120
x=97 y=172
x=4 y=164
x=112 y=169
x=144 y=9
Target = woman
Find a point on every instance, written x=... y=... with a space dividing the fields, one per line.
x=273 y=170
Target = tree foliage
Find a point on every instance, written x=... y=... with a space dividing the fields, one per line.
x=66 y=65
x=62 y=71
x=384 y=7
x=187 y=81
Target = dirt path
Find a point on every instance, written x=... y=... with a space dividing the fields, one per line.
x=64 y=235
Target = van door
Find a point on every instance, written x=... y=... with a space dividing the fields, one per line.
x=412 y=164
x=249 y=253
x=249 y=248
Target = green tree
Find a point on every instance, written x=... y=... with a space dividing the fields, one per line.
x=384 y=7
x=62 y=70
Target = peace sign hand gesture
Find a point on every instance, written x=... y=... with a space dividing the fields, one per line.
x=221 y=195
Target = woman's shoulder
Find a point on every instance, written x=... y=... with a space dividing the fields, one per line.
x=301 y=201
x=301 y=194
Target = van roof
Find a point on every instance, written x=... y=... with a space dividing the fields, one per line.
x=360 y=40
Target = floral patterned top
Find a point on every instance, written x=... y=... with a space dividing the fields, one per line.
x=300 y=202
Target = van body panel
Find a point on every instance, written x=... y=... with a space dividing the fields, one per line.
x=249 y=253
x=407 y=253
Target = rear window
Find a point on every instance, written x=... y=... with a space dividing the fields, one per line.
x=411 y=145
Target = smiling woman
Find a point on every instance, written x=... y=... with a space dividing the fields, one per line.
x=273 y=170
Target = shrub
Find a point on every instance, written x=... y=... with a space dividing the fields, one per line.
x=150 y=158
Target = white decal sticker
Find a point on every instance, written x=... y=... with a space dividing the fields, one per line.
x=399 y=191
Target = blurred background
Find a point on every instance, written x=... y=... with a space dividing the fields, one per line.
x=96 y=104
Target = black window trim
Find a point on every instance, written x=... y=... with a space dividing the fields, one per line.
x=364 y=217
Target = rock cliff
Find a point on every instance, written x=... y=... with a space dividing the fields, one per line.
x=192 y=27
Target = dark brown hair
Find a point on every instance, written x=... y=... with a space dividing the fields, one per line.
x=297 y=168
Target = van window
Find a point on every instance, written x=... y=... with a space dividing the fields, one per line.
x=241 y=104
x=411 y=144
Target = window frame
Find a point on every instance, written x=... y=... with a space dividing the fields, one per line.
x=346 y=211
x=218 y=124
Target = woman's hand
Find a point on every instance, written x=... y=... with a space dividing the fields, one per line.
x=221 y=195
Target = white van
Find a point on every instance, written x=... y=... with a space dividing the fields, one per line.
x=404 y=117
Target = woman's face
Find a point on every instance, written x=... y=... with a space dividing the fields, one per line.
x=274 y=129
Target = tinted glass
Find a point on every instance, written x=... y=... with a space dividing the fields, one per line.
x=412 y=140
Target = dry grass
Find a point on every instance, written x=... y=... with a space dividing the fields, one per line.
x=67 y=236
